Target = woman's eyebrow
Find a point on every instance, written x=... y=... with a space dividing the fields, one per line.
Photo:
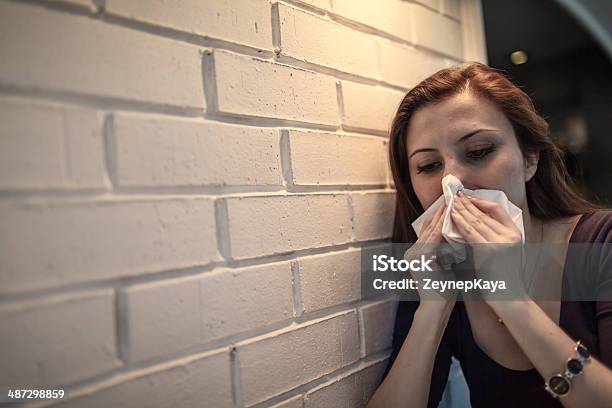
x=461 y=139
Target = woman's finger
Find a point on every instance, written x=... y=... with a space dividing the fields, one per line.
x=475 y=222
x=431 y=222
x=434 y=233
x=437 y=229
x=493 y=209
x=492 y=223
x=467 y=231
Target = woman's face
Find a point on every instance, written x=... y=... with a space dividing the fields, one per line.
x=469 y=137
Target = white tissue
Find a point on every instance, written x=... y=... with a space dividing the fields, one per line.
x=450 y=186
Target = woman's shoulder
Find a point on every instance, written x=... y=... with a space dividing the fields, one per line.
x=588 y=265
x=595 y=226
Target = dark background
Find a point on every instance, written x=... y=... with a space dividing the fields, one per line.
x=567 y=75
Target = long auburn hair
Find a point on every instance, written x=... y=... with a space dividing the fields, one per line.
x=549 y=192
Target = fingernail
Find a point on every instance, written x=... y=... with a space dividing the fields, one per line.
x=460 y=193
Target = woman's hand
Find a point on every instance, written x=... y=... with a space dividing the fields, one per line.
x=427 y=244
x=495 y=241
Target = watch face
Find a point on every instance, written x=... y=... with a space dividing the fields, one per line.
x=559 y=385
x=574 y=366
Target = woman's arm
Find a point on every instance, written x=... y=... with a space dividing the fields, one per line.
x=408 y=381
x=548 y=347
x=410 y=378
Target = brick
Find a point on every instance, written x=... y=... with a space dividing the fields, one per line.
x=378 y=320
x=47 y=147
x=186 y=383
x=369 y=108
x=296 y=402
x=353 y=390
x=374 y=214
x=276 y=224
x=160 y=151
x=78 y=242
x=297 y=357
x=451 y=8
x=58 y=340
x=235 y=301
x=437 y=32
x=162 y=317
x=330 y=279
x=237 y=21
x=334 y=159
x=390 y=16
x=404 y=66
x=254 y=87
x=312 y=39
x=61 y=52
x=169 y=316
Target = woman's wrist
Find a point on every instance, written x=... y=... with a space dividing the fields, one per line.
x=436 y=308
x=507 y=309
x=434 y=315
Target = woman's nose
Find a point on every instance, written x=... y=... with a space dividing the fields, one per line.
x=464 y=175
x=451 y=166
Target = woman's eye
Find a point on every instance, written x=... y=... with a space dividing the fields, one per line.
x=428 y=167
x=480 y=153
x=477 y=154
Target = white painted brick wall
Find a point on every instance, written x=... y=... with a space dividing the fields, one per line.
x=173 y=315
x=186 y=188
x=254 y=87
x=310 y=38
x=295 y=402
x=192 y=382
x=316 y=4
x=451 y=8
x=391 y=17
x=243 y=299
x=89 y=4
x=394 y=58
x=236 y=21
x=283 y=361
x=373 y=215
x=368 y=108
x=161 y=317
x=162 y=151
x=78 y=55
x=432 y=4
x=79 y=332
x=330 y=279
x=434 y=31
x=267 y=225
x=353 y=390
x=336 y=159
x=52 y=244
x=378 y=320
x=64 y=147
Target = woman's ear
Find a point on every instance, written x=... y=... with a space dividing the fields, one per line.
x=531 y=165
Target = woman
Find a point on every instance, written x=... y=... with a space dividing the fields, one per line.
x=472 y=122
